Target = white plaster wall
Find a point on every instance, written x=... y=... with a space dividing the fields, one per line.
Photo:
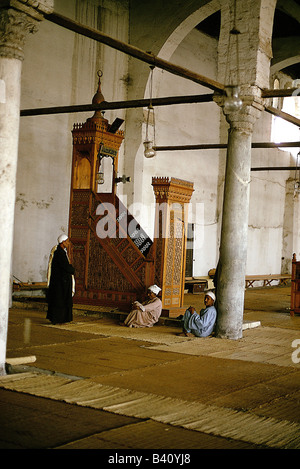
x=184 y=125
x=273 y=208
x=60 y=68
x=265 y=222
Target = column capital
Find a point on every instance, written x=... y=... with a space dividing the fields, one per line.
x=18 y=18
x=253 y=105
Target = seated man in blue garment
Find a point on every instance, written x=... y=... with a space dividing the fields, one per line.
x=200 y=325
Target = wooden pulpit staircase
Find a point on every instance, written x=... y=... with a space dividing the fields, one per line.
x=110 y=268
x=114 y=259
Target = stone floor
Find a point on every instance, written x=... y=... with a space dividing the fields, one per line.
x=97 y=385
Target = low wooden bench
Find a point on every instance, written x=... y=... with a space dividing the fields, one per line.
x=267 y=279
x=29 y=286
x=200 y=284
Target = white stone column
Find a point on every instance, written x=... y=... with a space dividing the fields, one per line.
x=17 y=20
x=233 y=248
x=244 y=59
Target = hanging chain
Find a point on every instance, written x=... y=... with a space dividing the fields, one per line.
x=150 y=107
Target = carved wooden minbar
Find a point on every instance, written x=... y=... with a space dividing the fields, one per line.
x=113 y=265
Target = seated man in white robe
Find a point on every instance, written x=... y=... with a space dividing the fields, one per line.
x=200 y=325
x=146 y=314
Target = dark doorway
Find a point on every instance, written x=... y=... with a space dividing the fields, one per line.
x=189 y=250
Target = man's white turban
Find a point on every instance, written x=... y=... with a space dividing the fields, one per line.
x=211 y=294
x=155 y=289
x=62 y=238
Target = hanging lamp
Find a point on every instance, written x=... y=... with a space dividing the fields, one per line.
x=149 y=144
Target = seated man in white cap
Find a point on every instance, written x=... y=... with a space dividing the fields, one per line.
x=200 y=325
x=60 y=283
x=146 y=314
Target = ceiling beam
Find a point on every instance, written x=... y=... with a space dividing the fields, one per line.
x=152 y=60
x=288 y=117
x=220 y=146
x=282 y=93
x=105 y=106
x=133 y=51
x=136 y=103
x=276 y=168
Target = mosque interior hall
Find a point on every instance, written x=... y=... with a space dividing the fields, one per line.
x=160 y=141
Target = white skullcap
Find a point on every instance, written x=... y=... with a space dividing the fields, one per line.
x=155 y=289
x=211 y=294
x=62 y=238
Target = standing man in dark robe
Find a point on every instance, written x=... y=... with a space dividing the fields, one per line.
x=60 y=283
